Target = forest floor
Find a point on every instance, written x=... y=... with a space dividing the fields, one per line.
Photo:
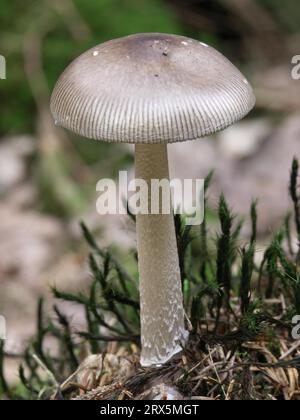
x=242 y=308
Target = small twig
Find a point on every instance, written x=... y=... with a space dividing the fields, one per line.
x=216 y=372
x=290 y=351
x=46 y=370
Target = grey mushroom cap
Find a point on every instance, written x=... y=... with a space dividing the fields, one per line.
x=150 y=88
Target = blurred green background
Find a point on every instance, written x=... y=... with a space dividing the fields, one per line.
x=39 y=38
x=54 y=32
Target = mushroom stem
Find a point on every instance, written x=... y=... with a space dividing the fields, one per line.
x=162 y=315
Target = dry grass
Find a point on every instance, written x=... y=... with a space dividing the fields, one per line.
x=210 y=368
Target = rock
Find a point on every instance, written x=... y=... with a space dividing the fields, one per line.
x=265 y=176
x=243 y=140
x=13 y=152
x=29 y=243
x=29 y=246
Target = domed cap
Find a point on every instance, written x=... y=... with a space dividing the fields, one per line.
x=150 y=88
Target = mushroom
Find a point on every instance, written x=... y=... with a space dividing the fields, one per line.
x=153 y=89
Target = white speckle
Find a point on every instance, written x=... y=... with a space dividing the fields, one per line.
x=56 y=122
x=246 y=81
x=95 y=53
x=127 y=56
x=67 y=117
x=156 y=42
x=184 y=43
x=204 y=45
